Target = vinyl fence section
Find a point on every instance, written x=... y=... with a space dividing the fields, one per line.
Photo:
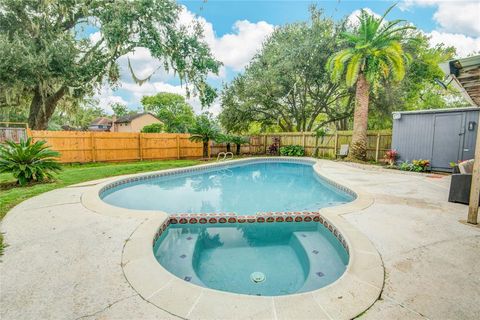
x=12 y=134
x=77 y=146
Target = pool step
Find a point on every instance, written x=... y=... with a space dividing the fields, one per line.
x=179 y=260
x=322 y=270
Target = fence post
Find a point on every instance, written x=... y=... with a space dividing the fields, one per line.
x=303 y=140
x=336 y=145
x=140 y=146
x=92 y=135
x=377 y=149
x=265 y=143
x=178 y=147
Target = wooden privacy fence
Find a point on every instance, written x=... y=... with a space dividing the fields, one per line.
x=327 y=147
x=78 y=146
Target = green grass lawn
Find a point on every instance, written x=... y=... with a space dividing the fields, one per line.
x=11 y=195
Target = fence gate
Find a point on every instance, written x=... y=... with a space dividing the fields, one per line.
x=7 y=132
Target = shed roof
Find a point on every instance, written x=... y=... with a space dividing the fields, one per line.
x=445 y=110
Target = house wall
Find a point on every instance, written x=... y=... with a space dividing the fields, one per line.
x=138 y=123
x=123 y=127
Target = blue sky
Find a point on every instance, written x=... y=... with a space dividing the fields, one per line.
x=235 y=30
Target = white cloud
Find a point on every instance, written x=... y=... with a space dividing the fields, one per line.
x=106 y=97
x=235 y=49
x=352 y=19
x=464 y=45
x=452 y=16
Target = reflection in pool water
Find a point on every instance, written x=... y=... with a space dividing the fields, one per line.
x=293 y=257
x=243 y=189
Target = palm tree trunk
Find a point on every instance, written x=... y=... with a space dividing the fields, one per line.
x=205 y=149
x=238 y=149
x=360 y=121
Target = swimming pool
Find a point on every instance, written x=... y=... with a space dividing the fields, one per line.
x=245 y=188
x=357 y=272
x=262 y=259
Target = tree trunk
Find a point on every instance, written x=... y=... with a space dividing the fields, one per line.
x=42 y=108
x=229 y=149
x=358 y=147
x=238 y=149
x=205 y=149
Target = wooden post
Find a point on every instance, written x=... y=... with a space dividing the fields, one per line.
x=303 y=141
x=140 y=146
x=475 y=188
x=336 y=145
x=209 y=149
x=178 y=147
x=265 y=144
x=377 y=149
x=92 y=141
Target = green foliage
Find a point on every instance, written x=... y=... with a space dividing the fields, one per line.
x=374 y=49
x=153 y=128
x=415 y=165
x=172 y=109
x=418 y=90
x=293 y=151
x=28 y=161
x=285 y=86
x=48 y=59
x=120 y=110
x=204 y=130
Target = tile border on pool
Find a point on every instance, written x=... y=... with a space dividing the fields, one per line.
x=359 y=287
x=267 y=217
x=206 y=167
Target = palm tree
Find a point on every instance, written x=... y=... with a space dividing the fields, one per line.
x=374 y=51
x=204 y=130
x=238 y=141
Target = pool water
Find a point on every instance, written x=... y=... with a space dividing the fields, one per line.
x=268 y=259
x=243 y=189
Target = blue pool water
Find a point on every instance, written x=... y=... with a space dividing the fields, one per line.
x=289 y=257
x=242 y=189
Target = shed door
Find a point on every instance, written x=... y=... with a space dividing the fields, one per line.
x=447 y=139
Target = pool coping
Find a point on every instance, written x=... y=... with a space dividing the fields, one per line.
x=350 y=295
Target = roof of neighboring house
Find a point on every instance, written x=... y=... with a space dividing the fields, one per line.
x=101 y=121
x=131 y=117
x=465 y=74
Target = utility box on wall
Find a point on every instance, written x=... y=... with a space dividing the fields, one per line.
x=439 y=135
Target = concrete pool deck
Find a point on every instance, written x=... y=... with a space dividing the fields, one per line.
x=64 y=261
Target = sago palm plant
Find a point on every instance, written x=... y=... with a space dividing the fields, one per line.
x=204 y=130
x=374 y=51
x=28 y=161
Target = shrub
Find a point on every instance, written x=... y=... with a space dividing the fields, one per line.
x=294 y=151
x=153 y=128
x=28 y=161
x=391 y=156
x=273 y=148
x=416 y=165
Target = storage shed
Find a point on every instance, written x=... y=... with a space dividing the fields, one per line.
x=439 y=135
